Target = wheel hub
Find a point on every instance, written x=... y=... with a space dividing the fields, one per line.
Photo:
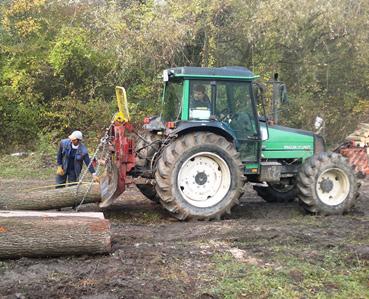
x=201 y=178
x=326 y=185
x=204 y=179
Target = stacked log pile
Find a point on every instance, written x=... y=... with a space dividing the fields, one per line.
x=25 y=233
x=355 y=149
x=361 y=136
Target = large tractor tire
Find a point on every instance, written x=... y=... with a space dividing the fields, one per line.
x=146 y=150
x=199 y=176
x=277 y=192
x=327 y=185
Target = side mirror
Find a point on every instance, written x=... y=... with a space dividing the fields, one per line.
x=283 y=93
x=258 y=90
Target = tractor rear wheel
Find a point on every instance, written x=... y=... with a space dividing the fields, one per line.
x=277 y=192
x=327 y=185
x=146 y=150
x=199 y=176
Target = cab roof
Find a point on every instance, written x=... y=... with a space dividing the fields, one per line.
x=226 y=72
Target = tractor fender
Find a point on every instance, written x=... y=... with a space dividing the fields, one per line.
x=216 y=127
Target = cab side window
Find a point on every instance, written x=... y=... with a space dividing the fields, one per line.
x=200 y=100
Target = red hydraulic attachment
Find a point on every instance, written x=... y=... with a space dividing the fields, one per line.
x=122 y=160
x=125 y=158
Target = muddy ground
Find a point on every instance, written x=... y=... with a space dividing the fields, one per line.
x=155 y=256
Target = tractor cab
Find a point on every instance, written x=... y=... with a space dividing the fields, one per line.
x=217 y=99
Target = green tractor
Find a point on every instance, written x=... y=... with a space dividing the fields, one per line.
x=210 y=140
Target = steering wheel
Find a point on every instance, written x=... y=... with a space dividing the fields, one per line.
x=224 y=114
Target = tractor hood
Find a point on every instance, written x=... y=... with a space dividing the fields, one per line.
x=284 y=142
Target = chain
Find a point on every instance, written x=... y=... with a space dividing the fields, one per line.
x=101 y=147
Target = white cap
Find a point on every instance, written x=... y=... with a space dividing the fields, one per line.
x=76 y=135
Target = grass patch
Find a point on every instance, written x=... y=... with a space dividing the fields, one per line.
x=151 y=217
x=290 y=275
x=34 y=166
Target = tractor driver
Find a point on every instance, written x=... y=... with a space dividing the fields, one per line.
x=71 y=155
x=200 y=99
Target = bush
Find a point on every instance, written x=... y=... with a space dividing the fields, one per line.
x=18 y=123
x=69 y=114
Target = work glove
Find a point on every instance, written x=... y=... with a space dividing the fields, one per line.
x=95 y=178
x=59 y=170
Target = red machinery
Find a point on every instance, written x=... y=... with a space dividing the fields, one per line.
x=121 y=159
x=355 y=149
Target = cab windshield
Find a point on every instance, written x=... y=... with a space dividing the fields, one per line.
x=172 y=98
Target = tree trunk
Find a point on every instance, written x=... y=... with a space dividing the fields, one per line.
x=40 y=234
x=51 y=199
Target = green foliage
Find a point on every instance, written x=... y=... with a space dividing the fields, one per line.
x=70 y=57
x=47 y=143
x=60 y=60
x=18 y=123
x=144 y=99
x=64 y=116
x=76 y=62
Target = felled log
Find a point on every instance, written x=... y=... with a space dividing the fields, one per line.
x=358 y=141
x=42 y=234
x=50 y=199
x=362 y=132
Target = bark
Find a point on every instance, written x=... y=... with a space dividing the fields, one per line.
x=37 y=234
x=50 y=199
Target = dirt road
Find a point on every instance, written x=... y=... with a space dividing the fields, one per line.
x=156 y=256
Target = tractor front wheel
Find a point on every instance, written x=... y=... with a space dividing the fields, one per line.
x=199 y=176
x=327 y=185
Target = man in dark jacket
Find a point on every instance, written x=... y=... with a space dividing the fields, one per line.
x=200 y=99
x=71 y=155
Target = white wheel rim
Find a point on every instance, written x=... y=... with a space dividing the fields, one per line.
x=333 y=186
x=204 y=179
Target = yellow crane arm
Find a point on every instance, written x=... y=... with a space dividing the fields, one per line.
x=123 y=114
